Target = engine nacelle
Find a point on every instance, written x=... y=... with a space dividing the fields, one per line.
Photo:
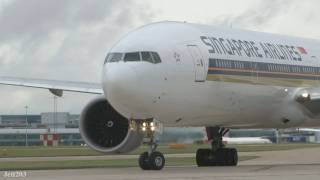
x=107 y=131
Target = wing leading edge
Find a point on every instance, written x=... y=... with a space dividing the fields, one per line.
x=54 y=86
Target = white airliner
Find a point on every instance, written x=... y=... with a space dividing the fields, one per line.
x=246 y=140
x=182 y=74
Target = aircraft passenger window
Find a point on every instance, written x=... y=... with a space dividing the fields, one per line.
x=114 y=57
x=156 y=57
x=146 y=56
x=134 y=56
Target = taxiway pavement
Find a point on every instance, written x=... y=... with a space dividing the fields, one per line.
x=294 y=164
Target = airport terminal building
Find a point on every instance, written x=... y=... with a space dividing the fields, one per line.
x=61 y=128
x=33 y=130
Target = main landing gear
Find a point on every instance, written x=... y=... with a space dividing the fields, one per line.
x=218 y=155
x=151 y=160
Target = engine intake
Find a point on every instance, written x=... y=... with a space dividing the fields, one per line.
x=107 y=131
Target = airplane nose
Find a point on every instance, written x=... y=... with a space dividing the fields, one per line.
x=120 y=84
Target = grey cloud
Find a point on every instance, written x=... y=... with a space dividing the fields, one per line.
x=86 y=30
x=257 y=15
x=62 y=39
x=34 y=17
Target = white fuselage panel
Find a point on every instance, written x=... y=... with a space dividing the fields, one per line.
x=211 y=76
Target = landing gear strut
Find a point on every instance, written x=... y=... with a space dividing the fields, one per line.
x=151 y=160
x=218 y=155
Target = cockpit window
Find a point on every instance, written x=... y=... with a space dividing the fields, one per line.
x=134 y=56
x=113 y=57
x=156 y=57
x=146 y=56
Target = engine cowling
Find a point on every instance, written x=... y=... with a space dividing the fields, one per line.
x=107 y=131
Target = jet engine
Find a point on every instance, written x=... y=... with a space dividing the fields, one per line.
x=107 y=131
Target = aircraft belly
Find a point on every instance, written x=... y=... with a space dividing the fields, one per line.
x=230 y=105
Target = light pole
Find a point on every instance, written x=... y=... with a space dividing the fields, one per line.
x=26 y=107
x=55 y=111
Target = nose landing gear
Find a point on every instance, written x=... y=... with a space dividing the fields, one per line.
x=218 y=155
x=151 y=160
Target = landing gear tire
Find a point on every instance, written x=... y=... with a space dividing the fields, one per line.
x=144 y=161
x=232 y=157
x=220 y=157
x=155 y=161
x=202 y=157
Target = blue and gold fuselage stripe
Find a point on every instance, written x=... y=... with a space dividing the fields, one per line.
x=231 y=70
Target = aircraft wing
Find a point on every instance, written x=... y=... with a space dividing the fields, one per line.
x=54 y=86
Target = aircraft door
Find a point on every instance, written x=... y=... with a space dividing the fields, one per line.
x=198 y=61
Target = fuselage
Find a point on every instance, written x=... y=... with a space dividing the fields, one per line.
x=197 y=75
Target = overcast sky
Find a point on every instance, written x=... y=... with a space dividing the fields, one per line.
x=68 y=39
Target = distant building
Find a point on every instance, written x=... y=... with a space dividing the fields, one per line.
x=73 y=122
x=55 y=120
x=317 y=137
x=44 y=120
x=19 y=120
x=17 y=137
